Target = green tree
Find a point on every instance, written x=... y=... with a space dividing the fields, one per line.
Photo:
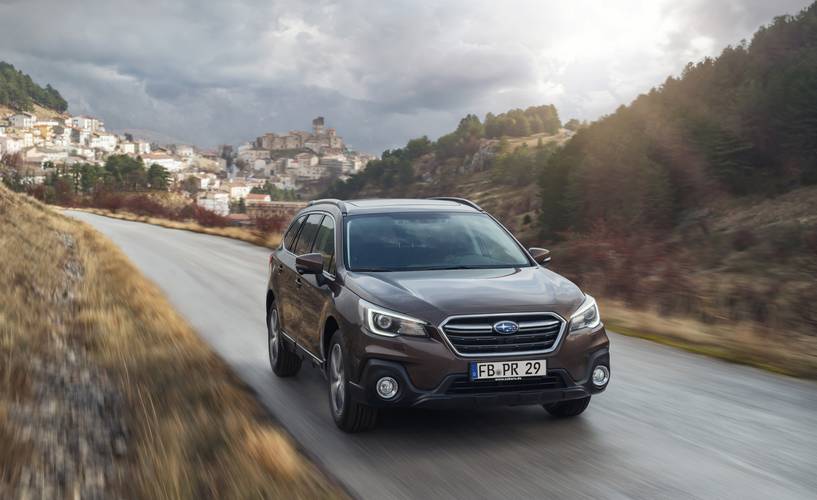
x=18 y=91
x=158 y=178
x=126 y=173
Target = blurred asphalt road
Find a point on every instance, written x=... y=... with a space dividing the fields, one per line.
x=671 y=425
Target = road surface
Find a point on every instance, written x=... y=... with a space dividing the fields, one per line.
x=671 y=425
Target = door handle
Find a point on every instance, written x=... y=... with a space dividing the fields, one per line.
x=299 y=281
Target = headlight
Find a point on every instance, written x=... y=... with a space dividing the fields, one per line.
x=389 y=323
x=587 y=316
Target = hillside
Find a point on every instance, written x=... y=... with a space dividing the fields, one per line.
x=19 y=92
x=744 y=123
x=106 y=392
x=694 y=202
x=484 y=162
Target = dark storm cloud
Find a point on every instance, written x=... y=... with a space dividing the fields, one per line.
x=381 y=72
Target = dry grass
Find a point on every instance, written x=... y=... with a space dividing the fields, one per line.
x=236 y=233
x=41 y=112
x=194 y=431
x=744 y=343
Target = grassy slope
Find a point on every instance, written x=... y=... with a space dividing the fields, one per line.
x=41 y=112
x=194 y=431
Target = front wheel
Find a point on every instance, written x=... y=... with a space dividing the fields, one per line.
x=566 y=409
x=349 y=415
x=282 y=360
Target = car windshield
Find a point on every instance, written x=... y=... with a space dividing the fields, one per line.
x=424 y=241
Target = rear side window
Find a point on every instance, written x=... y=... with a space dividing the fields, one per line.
x=289 y=238
x=307 y=234
x=325 y=243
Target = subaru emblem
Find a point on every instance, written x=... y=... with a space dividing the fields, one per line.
x=506 y=327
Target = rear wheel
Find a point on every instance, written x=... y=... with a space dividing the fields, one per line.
x=566 y=409
x=283 y=361
x=349 y=415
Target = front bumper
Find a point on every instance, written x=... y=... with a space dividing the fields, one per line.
x=457 y=391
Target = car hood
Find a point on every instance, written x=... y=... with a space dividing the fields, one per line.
x=435 y=295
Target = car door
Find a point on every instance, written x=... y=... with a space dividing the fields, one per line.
x=296 y=307
x=284 y=275
x=314 y=292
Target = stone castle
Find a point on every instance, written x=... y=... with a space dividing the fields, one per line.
x=321 y=140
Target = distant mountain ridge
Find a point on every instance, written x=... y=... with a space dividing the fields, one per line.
x=20 y=93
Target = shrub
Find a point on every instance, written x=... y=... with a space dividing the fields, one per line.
x=743 y=239
x=270 y=224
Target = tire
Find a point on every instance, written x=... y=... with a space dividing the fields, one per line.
x=567 y=409
x=282 y=360
x=350 y=416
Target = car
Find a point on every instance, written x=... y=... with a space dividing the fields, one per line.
x=428 y=303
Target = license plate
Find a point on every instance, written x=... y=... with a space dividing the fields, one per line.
x=508 y=369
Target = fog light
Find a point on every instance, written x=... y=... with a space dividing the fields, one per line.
x=601 y=375
x=387 y=388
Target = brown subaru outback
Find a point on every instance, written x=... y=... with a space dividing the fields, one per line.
x=428 y=303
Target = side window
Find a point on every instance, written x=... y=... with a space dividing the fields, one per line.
x=289 y=238
x=325 y=243
x=307 y=235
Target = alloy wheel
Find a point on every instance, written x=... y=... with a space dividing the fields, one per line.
x=273 y=336
x=336 y=380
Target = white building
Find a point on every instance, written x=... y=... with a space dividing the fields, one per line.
x=311 y=173
x=257 y=199
x=80 y=136
x=215 y=201
x=42 y=155
x=183 y=150
x=284 y=182
x=62 y=136
x=127 y=148
x=87 y=123
x=104 y=142
x=84 y=152
x=142 y=147
x=23 y=120
x=237 y=190
x=168 y=162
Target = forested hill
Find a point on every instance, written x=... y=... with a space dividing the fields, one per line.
x=19 y=92
x=479 y=160
x=744 y=123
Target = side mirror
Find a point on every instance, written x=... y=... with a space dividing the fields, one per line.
x=309 y=263
x=540 y=255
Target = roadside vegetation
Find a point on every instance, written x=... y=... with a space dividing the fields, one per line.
x=268 y=237
x=127 y=189
x=105 y=392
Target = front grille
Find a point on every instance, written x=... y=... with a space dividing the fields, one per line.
x=475 y=335
x=463 y=385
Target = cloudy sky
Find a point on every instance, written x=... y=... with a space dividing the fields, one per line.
x=210 y=72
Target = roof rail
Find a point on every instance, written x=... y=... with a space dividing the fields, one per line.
x=329 y=201
x=461 y=201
